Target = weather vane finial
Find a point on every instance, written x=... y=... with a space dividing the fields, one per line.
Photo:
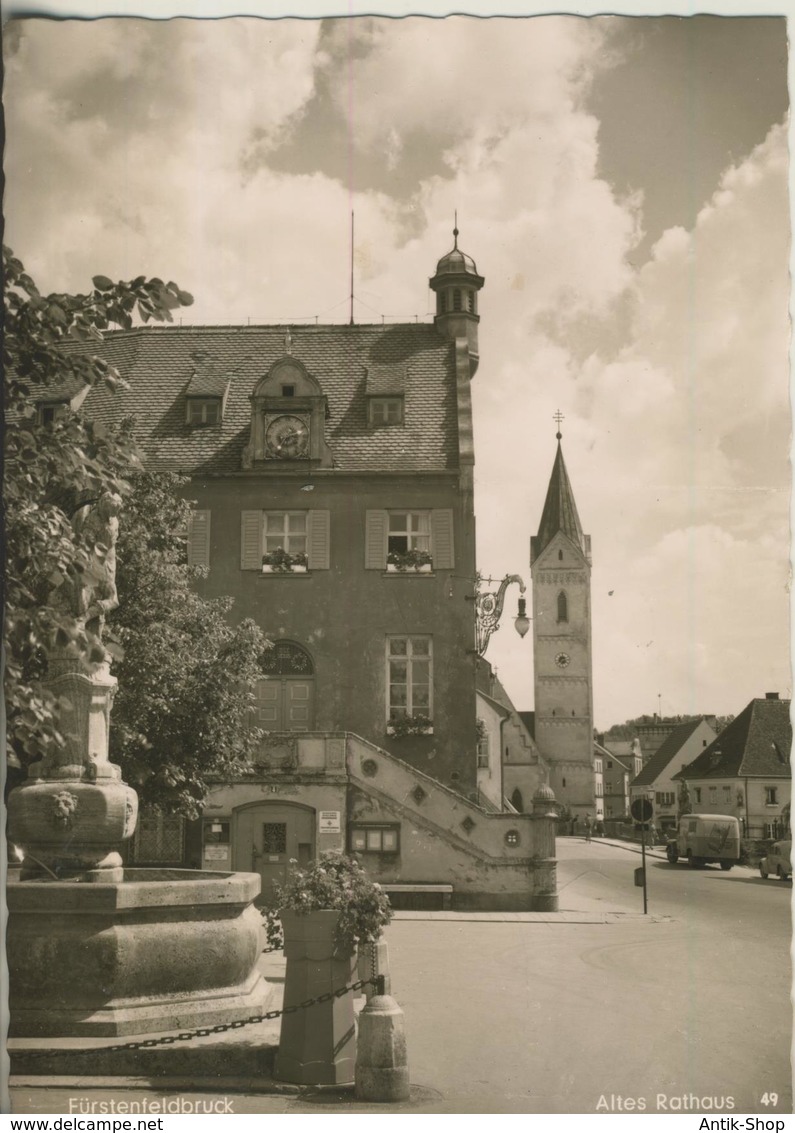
x=558 y=416
x=455 y=231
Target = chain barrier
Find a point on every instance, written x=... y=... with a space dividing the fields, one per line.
x=219 y=1028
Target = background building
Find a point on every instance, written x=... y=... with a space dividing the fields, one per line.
x=746 y=770
x=656 y=780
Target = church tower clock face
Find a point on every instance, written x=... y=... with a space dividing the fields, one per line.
x=286 y=437
x=562 y=660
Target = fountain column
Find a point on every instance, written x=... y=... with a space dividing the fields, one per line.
x=138 y=950
x=74 y=811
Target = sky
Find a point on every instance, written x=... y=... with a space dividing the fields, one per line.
x=621 y=184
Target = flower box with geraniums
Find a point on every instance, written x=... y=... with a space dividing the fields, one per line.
x=409 y=562
x=282 y=562
x=416 y=725
x=327 y=911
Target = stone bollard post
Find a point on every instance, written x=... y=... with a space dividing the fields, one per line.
x=382 y=1072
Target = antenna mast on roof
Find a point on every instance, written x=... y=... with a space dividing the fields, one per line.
x=351 y=267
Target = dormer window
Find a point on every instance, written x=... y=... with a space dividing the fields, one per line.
x=288 y=391
x=49 y=411
x=386 y=410
x=203 y=411
x=206 y=391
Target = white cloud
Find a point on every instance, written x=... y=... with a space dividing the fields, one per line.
x=137 y=147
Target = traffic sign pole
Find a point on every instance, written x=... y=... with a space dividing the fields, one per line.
x=643 y=812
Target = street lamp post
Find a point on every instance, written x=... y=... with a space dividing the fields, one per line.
x=488 y=610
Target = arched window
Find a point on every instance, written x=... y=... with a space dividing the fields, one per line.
x=457 y=299
x=563 y=607
x=517 y=802
x=471 y=302
x=441 y=302
x=287 y=659
x=560 y=556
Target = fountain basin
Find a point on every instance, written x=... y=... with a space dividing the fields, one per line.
x=161 y=950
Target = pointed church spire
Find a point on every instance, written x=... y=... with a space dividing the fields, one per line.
x=560 y=510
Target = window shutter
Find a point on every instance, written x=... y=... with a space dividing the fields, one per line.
x=251 y=540
x=318 y=540
x=442 y=539
x=199 y=539
x=376 y=540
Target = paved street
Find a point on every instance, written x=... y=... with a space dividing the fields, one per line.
x=512 y=1015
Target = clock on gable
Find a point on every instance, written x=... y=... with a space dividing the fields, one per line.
x=286 y=436
x=288 y=417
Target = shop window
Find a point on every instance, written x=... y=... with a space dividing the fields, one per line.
x=372 y=838
x=216 y=833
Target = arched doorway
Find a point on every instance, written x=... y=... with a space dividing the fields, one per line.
x=286 y=690
x=267 y=835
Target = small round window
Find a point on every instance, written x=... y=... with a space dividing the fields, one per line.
x=512 y=838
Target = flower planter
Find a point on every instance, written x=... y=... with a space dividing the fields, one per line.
x=426 y=568
x=268 y=569
x=317 y=1045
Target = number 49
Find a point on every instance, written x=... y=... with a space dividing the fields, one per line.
x=769 y=1099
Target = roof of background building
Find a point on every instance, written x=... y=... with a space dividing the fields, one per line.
x=757 y=742
x=164 y=364
x=606 y=753
x=670 y=746
x=529 y=721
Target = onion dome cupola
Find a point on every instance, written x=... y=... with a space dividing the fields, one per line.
x=456 y=284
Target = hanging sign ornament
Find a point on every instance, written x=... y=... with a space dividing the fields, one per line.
x=488 y=610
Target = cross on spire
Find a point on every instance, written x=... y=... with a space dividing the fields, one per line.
x=558 y=416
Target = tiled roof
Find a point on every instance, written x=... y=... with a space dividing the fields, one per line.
x=605 y=753
x=382 y=380
x=161 y=364
x=560 y=510
x=757 y=742
x=665 y=753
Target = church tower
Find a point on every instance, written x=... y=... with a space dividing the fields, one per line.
x=560 y=564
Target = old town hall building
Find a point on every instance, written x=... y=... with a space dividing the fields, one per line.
x=332 y=472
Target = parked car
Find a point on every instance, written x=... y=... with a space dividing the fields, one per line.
x=778 y=861
x=706 y=838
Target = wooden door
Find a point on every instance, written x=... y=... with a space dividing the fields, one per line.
x=268 y=835
x=285 y=704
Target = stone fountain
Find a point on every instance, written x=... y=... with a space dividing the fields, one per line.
x=95 y=948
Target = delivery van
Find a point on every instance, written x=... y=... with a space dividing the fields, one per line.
x=705 y=838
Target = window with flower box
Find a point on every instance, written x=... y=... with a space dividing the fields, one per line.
x=285 y=542
x=374 y=838
x=409 y=540
x=410 y=680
